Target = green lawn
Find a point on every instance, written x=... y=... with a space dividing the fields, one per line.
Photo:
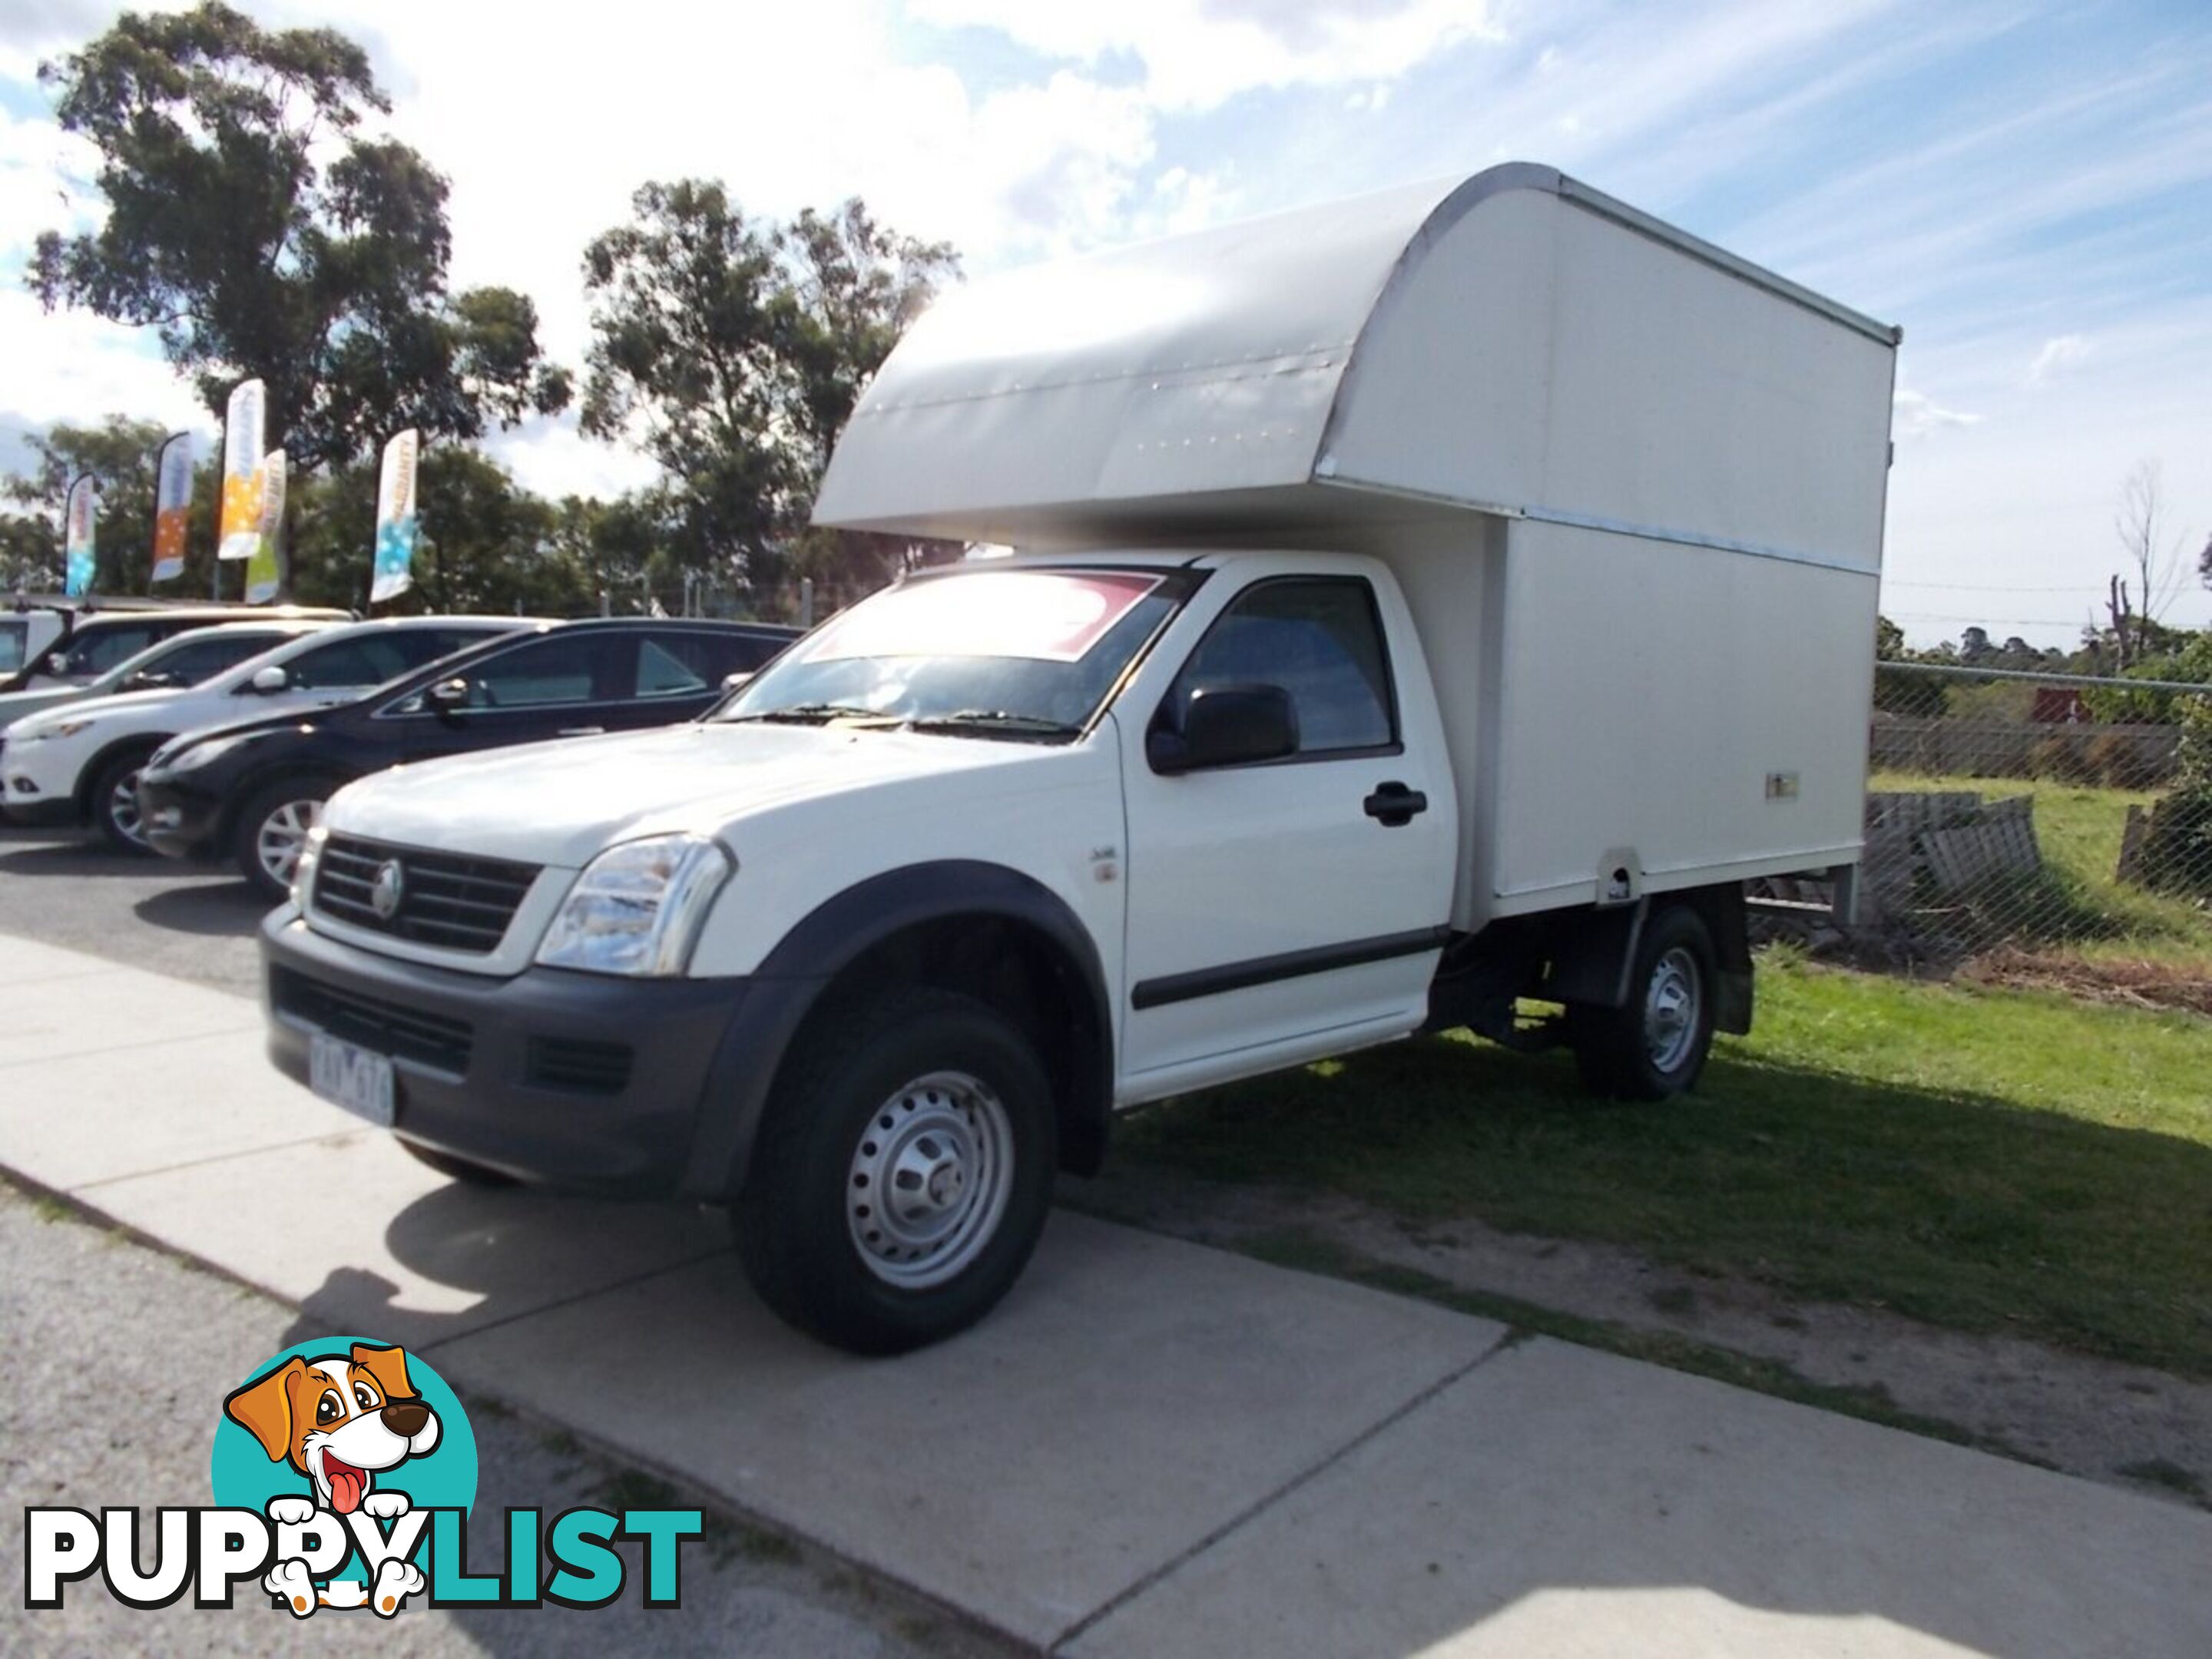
x=1989 y=1160
x=2086 y=908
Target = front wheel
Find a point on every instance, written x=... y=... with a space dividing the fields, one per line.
x=115 y=802
x=1654 y=1046
x=272 y=831
x=903 y=1173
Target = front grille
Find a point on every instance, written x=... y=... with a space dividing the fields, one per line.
x=580 y=1067
x=454 y=903
x=436 y=1041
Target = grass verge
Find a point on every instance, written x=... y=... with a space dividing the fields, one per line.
x=1988 y=1160
x=1309 y=1253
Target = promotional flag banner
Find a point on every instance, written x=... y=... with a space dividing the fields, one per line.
x=78 y=518
x=395 y=519
x=264 y=575
x=241 y=535
x=172 y=500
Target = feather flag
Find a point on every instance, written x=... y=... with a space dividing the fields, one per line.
x=395 y=519
x=79 y=520
x=265 y=574
x=172 y=500
x=241 y=535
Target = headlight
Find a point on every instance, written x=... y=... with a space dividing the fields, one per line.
x=303 y=872
x=65 y=729
x=637 y=907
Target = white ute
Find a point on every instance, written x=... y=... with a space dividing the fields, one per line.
x=1422 y=602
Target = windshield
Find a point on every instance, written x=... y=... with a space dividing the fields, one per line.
x=1011 y=653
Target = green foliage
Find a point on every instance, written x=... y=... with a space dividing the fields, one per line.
x=733 y=349
x=1991 y=1161
x=255 y=225
x=488 y=544
x=120 y=453
x=2186 y=659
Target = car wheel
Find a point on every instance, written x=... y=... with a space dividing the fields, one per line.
x=115 y=801
x=901 y=1175
x=272 y=830
x=1654 y=1045
x=457 y=1168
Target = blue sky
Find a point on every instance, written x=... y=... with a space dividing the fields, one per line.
x=2027 y=189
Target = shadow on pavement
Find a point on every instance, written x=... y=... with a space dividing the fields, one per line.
x=229 y=910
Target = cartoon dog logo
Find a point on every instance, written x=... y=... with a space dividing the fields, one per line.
x=340 y=1420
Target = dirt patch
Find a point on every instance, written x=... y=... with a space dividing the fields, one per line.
x=2156 y=986
x=2125 y=1426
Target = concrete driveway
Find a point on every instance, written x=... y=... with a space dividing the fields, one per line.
x=1152 y=1448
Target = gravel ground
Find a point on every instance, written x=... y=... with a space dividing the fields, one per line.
x=112 y=1380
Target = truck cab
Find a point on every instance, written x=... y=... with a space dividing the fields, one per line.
x=1365 y=668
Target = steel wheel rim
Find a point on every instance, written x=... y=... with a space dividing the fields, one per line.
x=929 y=1180
x=283 y=835
x=1672 y=1009
x=123 y=808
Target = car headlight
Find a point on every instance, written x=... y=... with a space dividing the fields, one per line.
x=303 y=872
x=64 y=729
x=637 y=907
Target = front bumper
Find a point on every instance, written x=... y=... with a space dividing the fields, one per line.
x=580 y=1080
x=177 y=821
x=35 y=786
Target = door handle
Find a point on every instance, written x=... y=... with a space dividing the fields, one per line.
x=581 y=731
x=1394 y=806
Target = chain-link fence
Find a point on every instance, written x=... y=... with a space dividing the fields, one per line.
x=2030 y=819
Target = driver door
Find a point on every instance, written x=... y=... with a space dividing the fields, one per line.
x=1273 y=911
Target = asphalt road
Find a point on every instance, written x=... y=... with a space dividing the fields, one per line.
x=117 y=1356
x=193 y=921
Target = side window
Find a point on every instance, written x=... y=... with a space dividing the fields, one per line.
x=551 y=670
x=14 y=636
x=674 y=666
x=102 y=648
x=190 y=664
x=413 y=647
x=1319 y=639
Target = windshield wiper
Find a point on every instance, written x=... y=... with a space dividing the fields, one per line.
x=817 y=713
x=995 y=720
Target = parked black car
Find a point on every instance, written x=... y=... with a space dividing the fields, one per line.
x=253 y=790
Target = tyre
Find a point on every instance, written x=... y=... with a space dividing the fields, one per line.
x=1654 y=1046
x=458 y=1169
x=272 y=828
x=902 y=1173
x=114 y=799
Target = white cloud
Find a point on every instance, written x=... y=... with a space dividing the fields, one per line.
x=2067 y=351
x=1915 y=414
x=1197 y=54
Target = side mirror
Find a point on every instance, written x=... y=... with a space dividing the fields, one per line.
x=1225 y=726
x=270 y=680
x=736 y=681
x=447 y=696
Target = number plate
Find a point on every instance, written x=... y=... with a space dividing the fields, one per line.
x=347 y=1075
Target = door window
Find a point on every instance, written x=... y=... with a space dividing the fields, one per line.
x=372 y=658
x=551 y=670
x=671 y=667
x=1319 y=639
x=14 y=635
x=195 y=660
x=101 y=649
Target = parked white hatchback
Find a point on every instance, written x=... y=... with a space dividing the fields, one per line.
x=79 y=764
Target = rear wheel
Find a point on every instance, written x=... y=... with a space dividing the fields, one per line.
x=901 y=1175
x=115 y=801
x=272 y=831
x=1654 y=1045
